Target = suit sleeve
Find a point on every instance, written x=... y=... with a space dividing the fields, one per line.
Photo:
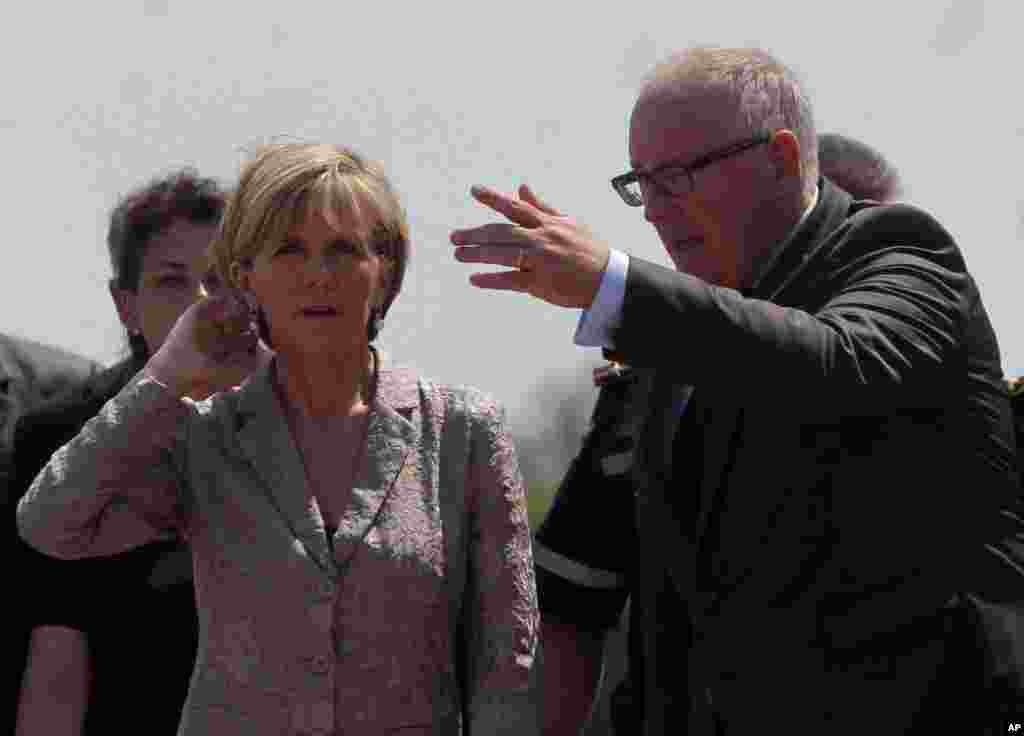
x=503 y=620
x=117 y=484
x=887 y=333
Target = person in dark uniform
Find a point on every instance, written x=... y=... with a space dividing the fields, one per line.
x=581 y=549
x=30 y=373
x=115 y=636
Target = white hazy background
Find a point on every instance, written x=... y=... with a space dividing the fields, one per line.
x=98 y=98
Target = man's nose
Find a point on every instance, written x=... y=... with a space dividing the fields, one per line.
x=656 y=205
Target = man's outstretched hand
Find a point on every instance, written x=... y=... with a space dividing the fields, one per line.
x=552 y=257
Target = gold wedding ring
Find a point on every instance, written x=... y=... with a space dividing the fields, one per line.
x=519 y=260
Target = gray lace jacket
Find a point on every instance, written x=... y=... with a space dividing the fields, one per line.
x=297 y=635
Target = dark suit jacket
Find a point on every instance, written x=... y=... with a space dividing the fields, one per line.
x=858 y=472
x=115 y=602
x=31 y=372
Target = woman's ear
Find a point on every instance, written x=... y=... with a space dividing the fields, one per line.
x=241 y=282
x=239 y=275
x=387 y=276
x=126 y=303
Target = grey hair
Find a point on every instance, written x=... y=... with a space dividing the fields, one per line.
x=769 y=95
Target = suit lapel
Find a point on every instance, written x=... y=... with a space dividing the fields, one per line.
x=664 y=399
x=390 y=439
x=719 y=425
x=656 y=519
x=268 y=445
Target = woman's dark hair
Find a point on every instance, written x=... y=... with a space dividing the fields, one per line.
x=149 y=211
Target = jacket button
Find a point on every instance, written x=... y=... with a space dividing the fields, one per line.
x=320 y=665
x=322 y=718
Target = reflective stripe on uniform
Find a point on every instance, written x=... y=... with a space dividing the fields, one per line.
x=575 y=572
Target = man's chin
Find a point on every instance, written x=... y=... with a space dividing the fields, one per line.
x=681 y=254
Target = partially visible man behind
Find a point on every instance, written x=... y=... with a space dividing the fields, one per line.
x=825 y=462
x=30 y=373
x=581 y=549
x=857 y=168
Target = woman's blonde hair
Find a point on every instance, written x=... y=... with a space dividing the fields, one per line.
x=284 y=182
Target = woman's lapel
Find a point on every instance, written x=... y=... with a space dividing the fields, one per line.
x=391 y=436
x=263 y=434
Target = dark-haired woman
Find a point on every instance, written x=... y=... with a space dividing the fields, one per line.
x=114 y=638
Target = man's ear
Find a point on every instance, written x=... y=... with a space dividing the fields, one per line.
x=126 y=303
x=786 y=153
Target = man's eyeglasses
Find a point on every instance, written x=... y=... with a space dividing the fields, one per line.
x=674 y=179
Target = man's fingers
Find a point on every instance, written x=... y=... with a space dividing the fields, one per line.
x=495 y=233
x=497 y=255
x=502 y=281
x=527 y=195
x=518 y=211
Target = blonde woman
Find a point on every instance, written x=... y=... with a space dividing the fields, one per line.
x=359 y=533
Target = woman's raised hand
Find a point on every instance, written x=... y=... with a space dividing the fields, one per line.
x=212 y=347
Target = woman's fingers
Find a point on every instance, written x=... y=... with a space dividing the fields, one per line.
x=217 y=320
x=236 y=344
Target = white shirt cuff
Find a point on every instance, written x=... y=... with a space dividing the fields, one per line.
x=597 y=323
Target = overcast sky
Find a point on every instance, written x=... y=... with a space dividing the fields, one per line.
x=99 y=97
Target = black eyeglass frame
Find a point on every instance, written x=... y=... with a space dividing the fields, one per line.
x=622 y=181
